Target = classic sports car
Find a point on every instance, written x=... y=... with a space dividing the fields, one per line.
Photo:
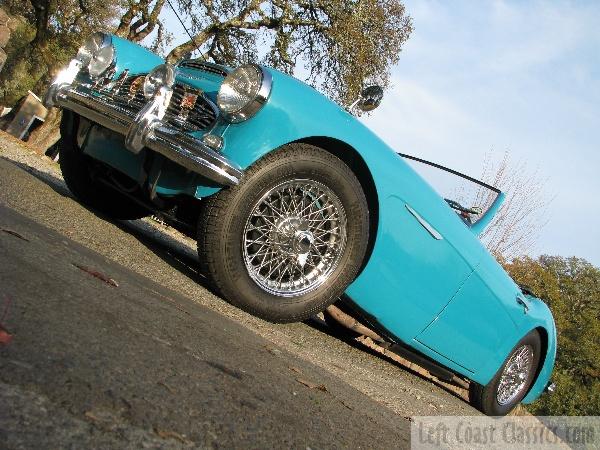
x=297 y=205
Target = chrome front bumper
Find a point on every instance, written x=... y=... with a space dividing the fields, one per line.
x=175 y=145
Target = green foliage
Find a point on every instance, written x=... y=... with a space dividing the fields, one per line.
x=30 y=67
x=48 y=36
x=341 y=44
x=19 y=72
x=571 y=287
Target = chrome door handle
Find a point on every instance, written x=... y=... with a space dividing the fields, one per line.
x=432 y=231
x=523 y=303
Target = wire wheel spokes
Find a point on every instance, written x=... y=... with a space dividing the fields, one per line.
x=294 y=237
x=515 y=375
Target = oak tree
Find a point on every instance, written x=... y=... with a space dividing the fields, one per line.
x=571 y=288
x=335 y=45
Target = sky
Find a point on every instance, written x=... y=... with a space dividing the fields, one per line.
x=481 y=78
x=478 y=79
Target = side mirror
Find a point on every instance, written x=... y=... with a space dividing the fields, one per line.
x=370 y=98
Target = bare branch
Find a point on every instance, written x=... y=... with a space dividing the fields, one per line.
x=343 y=45
x=516 y=226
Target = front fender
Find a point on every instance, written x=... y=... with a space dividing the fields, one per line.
x=133 y=57
x=296 y=111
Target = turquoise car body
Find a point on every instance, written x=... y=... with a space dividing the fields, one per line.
x=444 y=296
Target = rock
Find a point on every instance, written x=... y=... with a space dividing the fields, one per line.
x=2 y=58
x=4 y=35
x=4 y=18
x=15 y=22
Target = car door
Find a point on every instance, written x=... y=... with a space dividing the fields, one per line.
x=423 y=254
x=415 y=268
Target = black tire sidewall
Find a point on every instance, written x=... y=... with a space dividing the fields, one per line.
x=75 y=168
x=488 y=394
x=235 y=282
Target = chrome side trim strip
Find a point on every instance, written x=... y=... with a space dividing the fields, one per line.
x=432 y=231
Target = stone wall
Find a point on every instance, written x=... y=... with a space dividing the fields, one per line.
x=4 y=35
x=7 y=26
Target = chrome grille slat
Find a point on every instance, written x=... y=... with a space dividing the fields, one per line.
x=200 y=117
x=204 y=66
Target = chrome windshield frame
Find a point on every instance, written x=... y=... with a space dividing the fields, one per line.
x=478 y=226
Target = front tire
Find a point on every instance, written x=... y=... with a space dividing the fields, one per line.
x=287 y=241
x=76 y=168
x=512 y=381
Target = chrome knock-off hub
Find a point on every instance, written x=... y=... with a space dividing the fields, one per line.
x=294 y=237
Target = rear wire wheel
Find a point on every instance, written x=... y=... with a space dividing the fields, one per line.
x=512 y=381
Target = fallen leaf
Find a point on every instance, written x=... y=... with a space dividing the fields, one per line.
x=91 y=416
x=5 y=336
x=294 y=369
x=349 y=407
x=15 y=234
x=172 y=434
x=166 y=386
x=97 y=274
x=308 y=384
x=272 y=351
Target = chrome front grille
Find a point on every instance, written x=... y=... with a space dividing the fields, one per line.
x=189 y=110
x=204 y=66
x=129 y=93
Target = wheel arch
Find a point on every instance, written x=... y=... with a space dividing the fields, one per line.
x=352 y=158
x=544 y=340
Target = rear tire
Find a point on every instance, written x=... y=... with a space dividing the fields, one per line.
x=76 y=168
x=287 y=241
x=512 y=381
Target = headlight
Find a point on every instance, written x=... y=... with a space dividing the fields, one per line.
x=97 y=54
x=160 y=76
x=243 y=92
x=94 y=43
x=101 y=61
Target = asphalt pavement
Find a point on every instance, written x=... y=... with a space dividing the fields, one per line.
x=117 y=344
x=103 y=357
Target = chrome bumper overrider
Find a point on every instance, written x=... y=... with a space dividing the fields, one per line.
x=175 y=145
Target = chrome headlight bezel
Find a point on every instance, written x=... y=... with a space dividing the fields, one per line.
x=97 y=54
x=102 y=61
x=161 y=76
x=252 y=99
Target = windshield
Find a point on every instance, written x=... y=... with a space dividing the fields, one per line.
x=470 y=198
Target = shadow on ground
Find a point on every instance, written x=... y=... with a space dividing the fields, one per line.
x=183 y=259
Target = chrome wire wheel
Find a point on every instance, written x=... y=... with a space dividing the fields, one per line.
x=515 y=375
x=294 y=237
